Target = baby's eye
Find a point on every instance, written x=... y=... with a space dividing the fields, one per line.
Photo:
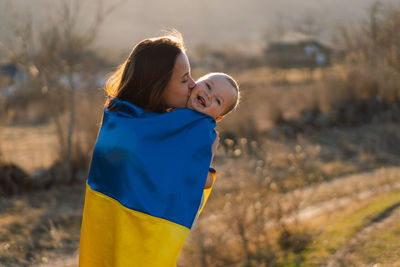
x=219 y=102
x=208 y=86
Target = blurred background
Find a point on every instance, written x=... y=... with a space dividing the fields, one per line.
x=308 y=164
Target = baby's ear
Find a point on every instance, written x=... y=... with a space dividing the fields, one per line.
x=219 y=118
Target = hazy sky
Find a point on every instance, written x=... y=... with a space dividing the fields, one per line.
x=205 y=21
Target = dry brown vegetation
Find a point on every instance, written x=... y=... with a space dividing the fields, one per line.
x=278 y=164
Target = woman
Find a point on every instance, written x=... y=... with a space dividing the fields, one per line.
x=149 y=166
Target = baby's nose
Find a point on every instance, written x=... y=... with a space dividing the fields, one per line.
x=208 y=95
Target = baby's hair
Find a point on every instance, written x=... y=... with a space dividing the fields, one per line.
x=232 y=82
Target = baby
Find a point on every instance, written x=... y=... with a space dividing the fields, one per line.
x=215 y=94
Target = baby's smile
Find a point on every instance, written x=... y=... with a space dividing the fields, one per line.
x=201 y=100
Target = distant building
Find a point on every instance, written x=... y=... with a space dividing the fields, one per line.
x=12 y=73
x=10 y=76
x=301 y=52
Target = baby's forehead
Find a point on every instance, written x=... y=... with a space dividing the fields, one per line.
x=212 y=77
x=221 y=83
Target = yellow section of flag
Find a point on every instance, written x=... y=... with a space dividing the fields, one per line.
x=114 y=235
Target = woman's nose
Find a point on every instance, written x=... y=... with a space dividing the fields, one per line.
x=192 y=84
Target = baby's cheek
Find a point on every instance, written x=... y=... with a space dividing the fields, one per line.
x=197 y=109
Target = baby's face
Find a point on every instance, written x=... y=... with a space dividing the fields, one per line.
x=212 y=95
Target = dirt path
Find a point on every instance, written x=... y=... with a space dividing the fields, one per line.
x=343 y=256
x=341 y=191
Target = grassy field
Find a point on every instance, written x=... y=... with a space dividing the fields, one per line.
x=43 y=228
x=346 y=224
x=285 y=196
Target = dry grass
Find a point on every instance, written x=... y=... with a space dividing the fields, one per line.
x=244 y=205
x=32 y=148
x=37 y=146
x=256 y=179
x=38 y=227
x=322 y=212
x=255 y=215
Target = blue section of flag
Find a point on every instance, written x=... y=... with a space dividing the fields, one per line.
x=155 y=163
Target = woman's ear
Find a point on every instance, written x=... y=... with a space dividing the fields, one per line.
x=218 y=119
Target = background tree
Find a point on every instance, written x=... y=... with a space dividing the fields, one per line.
x=54 y=55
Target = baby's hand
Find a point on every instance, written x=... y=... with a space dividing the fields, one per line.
x=209 y=181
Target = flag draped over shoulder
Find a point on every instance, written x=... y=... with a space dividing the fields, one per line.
x=145 y=185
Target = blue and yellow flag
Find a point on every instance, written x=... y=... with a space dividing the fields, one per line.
x=145 y=186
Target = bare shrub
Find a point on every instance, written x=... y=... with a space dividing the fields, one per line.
x=373 y=60
x=253 y=208
x=294 y=241
x=14 y=180
x=3 y=118
x=55 y=57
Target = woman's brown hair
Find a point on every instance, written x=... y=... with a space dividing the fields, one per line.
x=145 y=74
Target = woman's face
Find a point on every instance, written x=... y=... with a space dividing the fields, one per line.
x=177 y=92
